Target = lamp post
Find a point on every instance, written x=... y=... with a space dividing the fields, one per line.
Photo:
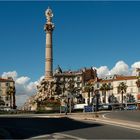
x=126 y=99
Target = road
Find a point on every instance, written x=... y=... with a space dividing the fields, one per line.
x=131 y=115
x=26 y=127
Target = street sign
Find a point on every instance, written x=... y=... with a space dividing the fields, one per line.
x=88 y=108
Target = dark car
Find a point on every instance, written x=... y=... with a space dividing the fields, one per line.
x=105 y=107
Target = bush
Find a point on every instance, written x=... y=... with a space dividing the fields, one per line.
x=50 y=103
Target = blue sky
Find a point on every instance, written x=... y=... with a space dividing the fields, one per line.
x=86 y=34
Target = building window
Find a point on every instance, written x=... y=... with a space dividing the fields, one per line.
x=0 y=92
x=78 y=78
x=7 y=98
x=7 y=84
x=98 y=85
x=78 y=85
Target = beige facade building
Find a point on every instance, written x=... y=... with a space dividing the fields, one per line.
x=7 y=93
x=130 y=96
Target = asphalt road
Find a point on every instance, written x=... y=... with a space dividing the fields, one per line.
x=131 y=115
x=61 y=128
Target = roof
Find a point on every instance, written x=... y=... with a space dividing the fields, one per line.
x=6 y=80
x=119 y=78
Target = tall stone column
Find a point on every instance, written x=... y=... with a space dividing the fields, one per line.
x=49 y=26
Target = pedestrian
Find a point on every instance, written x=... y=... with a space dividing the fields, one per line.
x=66 y=109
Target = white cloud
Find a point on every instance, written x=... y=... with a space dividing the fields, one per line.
x=12 y=74
x=134 y=66
x=102 y=71
x=22 y=80
x=24 y=86
x=120 y=68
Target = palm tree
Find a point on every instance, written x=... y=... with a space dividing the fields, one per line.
x=11 y=93
x=104 y=88
x=88 y=88
x=138 y=84
x=122 y=89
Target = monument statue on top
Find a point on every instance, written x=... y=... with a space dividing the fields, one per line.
x=49 y=26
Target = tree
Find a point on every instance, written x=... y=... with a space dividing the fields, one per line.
x=138 y=84
x=88 y=88
x=112 y=99
x=96 y=98
x=104 y=88
x=122 y=89
x=11 y=93
x=1 y=101
x=130 y=98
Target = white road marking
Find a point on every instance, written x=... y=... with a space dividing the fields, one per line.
x=39 y=137
x=120 y=124
x=73 y=137
x=56 y=136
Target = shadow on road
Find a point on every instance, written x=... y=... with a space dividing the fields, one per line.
x=23 y=128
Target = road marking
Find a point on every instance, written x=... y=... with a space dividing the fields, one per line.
x=46 y=117
x=105 y=115
x=56 y=136
x=120 y=124
x=39 y=137
x=73 y=137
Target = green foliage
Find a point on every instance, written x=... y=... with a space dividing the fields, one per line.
x=51 y=103
x=122 y=87
x=41 y=111
x=138 y=83
x=88 y=87
x=48 y=106
x=105 y=87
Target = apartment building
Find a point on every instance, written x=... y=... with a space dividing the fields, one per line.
x=7 y=93
x=112 y=92
x=79 y=78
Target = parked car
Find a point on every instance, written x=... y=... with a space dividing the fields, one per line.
x=105 y=107
x=131 y=107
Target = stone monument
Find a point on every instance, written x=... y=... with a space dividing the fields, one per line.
x=49 y=26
